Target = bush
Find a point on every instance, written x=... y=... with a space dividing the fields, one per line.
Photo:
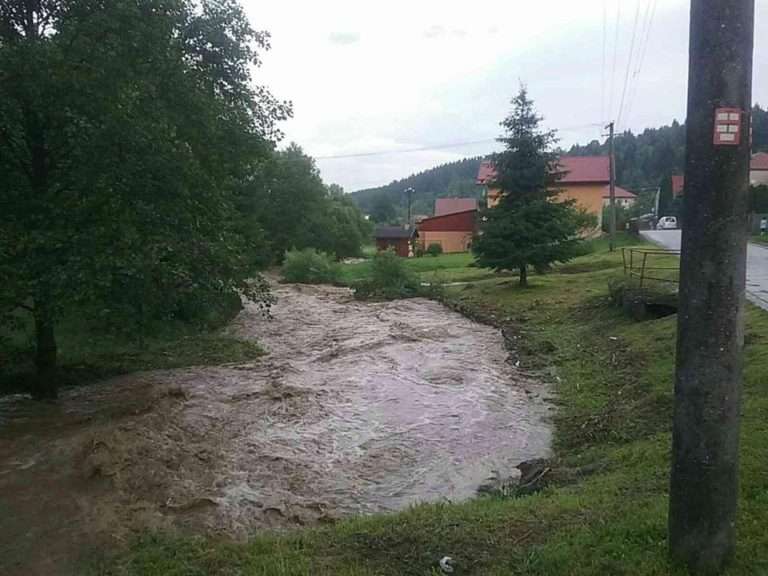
x=390 y=279
x=309 y=266
x=434 y=249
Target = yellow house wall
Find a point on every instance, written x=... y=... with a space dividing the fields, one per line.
x=587 y=196
x=450 y=241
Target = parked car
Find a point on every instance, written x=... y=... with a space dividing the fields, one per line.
x=667 y=223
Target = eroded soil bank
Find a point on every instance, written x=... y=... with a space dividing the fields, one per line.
x=358 y=408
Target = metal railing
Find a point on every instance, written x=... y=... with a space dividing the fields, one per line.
x=642 y=265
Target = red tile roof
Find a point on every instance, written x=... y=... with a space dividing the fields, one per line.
x=678 y=184
x=759 y=161
x=585 y=169
x=575 y=170
x=445 y=206
x=618 y=192
x=486 y=172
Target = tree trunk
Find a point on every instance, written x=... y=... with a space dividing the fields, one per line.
x=523 y=275
x=46 y=385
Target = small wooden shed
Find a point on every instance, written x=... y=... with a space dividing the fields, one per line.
x=399 y=238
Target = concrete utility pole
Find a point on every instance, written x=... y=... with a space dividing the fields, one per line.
x=612 y=196
x=708 y=381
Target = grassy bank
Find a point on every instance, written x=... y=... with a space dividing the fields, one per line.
x=90 y=349
x=613 y=377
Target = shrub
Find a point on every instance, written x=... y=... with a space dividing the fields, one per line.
x=390 y=279
x=434 y=249
x=309 y=266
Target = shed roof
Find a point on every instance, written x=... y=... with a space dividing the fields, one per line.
x=394 y=232
x=456 y=222
x=445 y=206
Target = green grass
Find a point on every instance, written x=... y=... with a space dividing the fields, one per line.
x=759 y=239
x=88 y=351
x=446 y=267
x=614 y=392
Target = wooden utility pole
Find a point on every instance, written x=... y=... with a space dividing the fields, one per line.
x=612 y=196
x=708 y=380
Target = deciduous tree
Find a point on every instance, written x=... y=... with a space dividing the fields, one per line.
x=127 y=130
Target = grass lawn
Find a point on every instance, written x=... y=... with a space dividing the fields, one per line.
x=446 y=267
x=613 y=378
x=88 y=351
x=759 y=239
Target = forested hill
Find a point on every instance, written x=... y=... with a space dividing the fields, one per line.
x=642 y=160
x=452 y=180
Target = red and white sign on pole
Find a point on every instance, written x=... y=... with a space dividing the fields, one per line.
x=727 y=127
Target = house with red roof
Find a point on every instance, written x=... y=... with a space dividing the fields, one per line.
x=758 y=169
x=758 y=174
x=584 y=179
x=623 y=197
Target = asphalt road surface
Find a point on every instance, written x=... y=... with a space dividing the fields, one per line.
x=757 y=263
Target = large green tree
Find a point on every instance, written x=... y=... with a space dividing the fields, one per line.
x=127 y=131
x=293 y=209
x=529 y=227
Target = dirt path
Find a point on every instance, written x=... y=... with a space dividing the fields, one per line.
x=359 y=408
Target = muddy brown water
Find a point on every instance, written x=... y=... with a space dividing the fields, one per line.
x=358 y=408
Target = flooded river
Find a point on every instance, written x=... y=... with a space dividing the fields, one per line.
x=358 y=408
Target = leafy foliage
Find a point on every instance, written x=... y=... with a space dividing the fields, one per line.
x=454 y=179
x=759 y=199
x=127 y=131
x=390 y=279
x=528 y=227
x=434 y=249
x=383 y=210
x=643 y=160
x=293 y=209
x=648 y=159
x=309 y=266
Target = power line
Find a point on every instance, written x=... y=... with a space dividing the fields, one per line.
x=439 y=146
x=629 y=63
x=406 y=150
x=615 y=58
x=652 y=4
x=602 y=68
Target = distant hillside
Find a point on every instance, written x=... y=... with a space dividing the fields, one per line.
x=642 y=160
x=453 y=180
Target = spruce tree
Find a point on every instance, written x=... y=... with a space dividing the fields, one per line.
x=530 y=227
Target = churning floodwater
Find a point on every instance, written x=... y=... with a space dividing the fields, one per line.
x=357 y=408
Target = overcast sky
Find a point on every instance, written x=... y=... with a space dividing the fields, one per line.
x=400 y=75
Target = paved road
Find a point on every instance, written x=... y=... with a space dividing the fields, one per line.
x=757 y=263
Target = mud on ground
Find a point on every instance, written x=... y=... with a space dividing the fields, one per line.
x=358 y=408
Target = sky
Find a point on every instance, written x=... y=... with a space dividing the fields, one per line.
x=381 y=90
